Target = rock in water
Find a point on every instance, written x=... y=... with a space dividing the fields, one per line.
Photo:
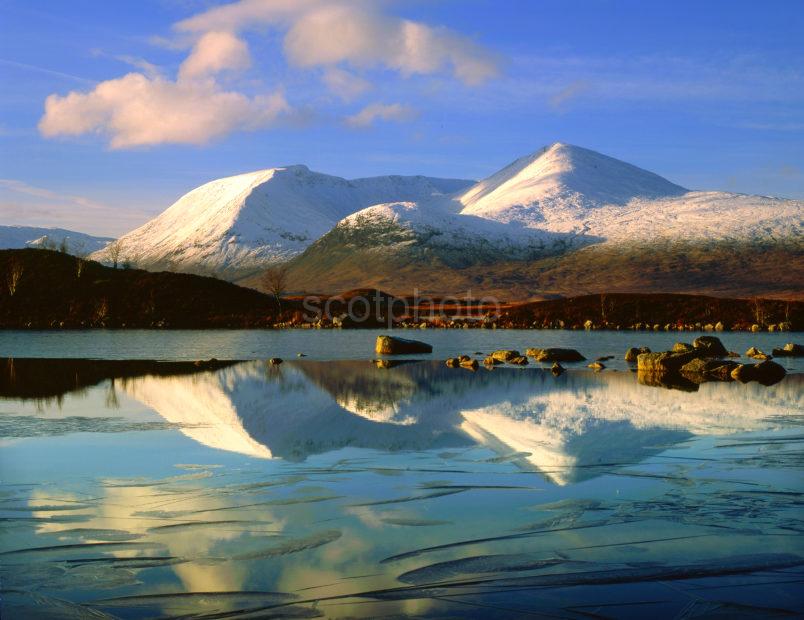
x=710 y=346
x=505 y=355
x=470 y=364
x=391 y=345
x=491 y=362
x=557 y=369
x=664 y=362
x=766 y=373
x=275 y=361
x=555 y=355
x=634 y=352
x=519 y=360
x=453 y=362
x=791 y=349
x=597 y=366
x=682 y=347
x=701 y=369
x=757 y=354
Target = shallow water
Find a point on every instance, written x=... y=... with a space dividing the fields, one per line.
x=337 y=489
x=352 y=344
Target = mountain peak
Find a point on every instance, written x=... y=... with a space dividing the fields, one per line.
x=563 y=175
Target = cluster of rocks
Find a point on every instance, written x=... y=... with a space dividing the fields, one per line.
x=703 y=360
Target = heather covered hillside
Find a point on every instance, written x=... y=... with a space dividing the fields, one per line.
x=43 y=288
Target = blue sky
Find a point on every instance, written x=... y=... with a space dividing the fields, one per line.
x=172 y=93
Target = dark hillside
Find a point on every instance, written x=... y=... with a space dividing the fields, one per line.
x=43 y=289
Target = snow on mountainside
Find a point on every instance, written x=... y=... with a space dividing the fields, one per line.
x=556 y=200
x=566 y=196
x=564 y=177
x=241 y=223
x=18 y=237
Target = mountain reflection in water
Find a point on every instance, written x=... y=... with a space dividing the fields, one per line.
x=569 y=428
x=337 y=489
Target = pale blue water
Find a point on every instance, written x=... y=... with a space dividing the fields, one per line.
x=349 y=344
x=337 y=489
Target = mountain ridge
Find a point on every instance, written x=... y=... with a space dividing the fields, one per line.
x=550 y=205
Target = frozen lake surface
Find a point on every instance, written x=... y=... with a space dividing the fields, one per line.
x=338 y=489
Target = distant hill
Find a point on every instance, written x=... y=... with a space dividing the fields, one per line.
x=18 y=237
x=50 y=292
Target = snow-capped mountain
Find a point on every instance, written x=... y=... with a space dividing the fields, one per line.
x=546 y=205
x=579 y=196
x=18 y=237
x=239 y=224
x=564 y=209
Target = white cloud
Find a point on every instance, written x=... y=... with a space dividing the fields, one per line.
x=214 y=52
x=135 y=110
x=330 y=33
x=341 y=37
x=380 y=111
x=346 y=85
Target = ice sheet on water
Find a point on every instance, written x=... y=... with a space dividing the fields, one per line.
x=19 y=426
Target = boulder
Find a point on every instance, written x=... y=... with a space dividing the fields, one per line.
x=275 y=361
x=463 y=358
x=757 y=354
x=490 y=361
x=453 y=362
x=470 y=364
x=722 y=372
x=766 y=373
x=557 y=369
x=634 y=352
x=710 y=346
x=701 y=369
x=520 y=360
x=682 y=347
x=597 y=366
x=505 y=355
x=698 y=366
x=669 y=380
x=664 y=362
x=391 y=345
x=791 y=349
x=555 y=355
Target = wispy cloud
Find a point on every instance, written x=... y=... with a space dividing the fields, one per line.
x=46 y=71
x=380 y=111
x=559 y=100
x=30 y=205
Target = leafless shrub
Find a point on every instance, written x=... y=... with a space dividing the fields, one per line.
x=80 y=252
x=275 y=281
x=114 y=249
x=759 y=311
x=14 y=275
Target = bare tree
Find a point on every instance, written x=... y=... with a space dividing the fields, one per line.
x=15 y=271
x=114 y=249
x=275 y=281
x=80 y=252
x=759 y=311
